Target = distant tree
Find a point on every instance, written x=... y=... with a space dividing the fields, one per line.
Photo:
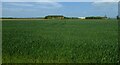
x=95 y=17
x=118 y=17
x=67 y=18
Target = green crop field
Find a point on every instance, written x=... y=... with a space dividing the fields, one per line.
x=60 y=41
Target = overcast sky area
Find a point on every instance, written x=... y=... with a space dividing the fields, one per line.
x=71 y=9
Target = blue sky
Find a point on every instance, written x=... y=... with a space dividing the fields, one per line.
x=71 y=9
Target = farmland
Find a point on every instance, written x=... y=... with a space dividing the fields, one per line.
x=60 y=41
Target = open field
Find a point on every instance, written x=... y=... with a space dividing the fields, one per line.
x=60 y=41
x=24 y=19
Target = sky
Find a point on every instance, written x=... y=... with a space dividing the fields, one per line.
x=70 y=9
x=60 y=0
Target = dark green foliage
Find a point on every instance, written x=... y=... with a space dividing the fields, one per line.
x=118 y=17
x=71 y=18
x=60 y=41
x=96 y=17
x=54 y=17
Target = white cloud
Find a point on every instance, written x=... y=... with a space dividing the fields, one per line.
x=20 y=4
x=106 y=1
x=105 y=5
x=26 y=0
x=107 y=8
x=49 y=4
x=35 y=4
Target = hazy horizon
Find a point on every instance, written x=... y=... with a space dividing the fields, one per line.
x=69 y=9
